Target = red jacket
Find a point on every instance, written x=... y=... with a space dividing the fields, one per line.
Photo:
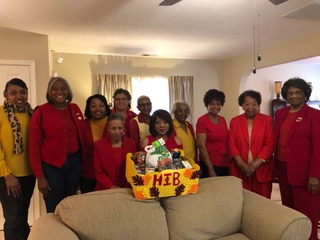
x=262 y=144
x=110 y=163
x=87 y=169
x=303 y=146
x=48 y=134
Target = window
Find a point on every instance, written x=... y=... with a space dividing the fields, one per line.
x=156 y=88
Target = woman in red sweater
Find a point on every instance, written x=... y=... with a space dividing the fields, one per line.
x=55 y=142
x=110 y=155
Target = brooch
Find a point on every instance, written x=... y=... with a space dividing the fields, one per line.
x=299 y=119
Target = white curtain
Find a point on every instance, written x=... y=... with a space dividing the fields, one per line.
x=108 y=83
x=155 y=87
x=181 y=88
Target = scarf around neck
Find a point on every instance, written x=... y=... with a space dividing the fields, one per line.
x=10 y=110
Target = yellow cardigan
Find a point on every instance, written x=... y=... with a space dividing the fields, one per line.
x=18 y=164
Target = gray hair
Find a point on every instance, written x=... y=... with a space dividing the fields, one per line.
x=175 y=107
x=50 y=84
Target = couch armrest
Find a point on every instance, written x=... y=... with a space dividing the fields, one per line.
x=263 y=219
x=50 y=227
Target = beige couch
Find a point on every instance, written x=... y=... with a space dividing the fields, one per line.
x=220 y=210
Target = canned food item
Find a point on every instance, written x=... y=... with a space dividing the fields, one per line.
x=149 y=169
x=175 y=155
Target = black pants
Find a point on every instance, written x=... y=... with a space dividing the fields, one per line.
x=15 y=210
x=220 y=171
x=87 y=184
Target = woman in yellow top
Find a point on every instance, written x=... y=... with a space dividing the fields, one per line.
x=95 y=128
x=181 y=112
x=16 y=178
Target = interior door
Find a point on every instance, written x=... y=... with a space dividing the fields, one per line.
x=26 y=71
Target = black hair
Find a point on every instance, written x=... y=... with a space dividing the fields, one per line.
x=163 y=115
x=297 y=83
x=17 y=82
x=102 y=98
x=249 y=93
x=125 y=92
x=213 y=94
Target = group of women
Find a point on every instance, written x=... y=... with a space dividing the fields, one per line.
x=63 y=150
x=260 y=151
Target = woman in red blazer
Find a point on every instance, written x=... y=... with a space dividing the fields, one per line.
x=297 y=134
x=251 y=143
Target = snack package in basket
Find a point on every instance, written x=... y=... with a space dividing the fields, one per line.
x=157 y=154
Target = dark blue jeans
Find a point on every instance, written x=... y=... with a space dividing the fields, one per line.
x=15 y=210
x=63 y=181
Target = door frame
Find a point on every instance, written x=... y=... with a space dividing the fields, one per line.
x=32 y=65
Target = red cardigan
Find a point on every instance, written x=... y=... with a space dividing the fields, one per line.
x=303 y=146
x=110 y=163
x=130 y=115
x=48 y=134
x=87 y=169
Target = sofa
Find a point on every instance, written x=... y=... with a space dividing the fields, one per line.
x=221 y=209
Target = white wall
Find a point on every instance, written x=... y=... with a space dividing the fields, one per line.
x=238 y=69
x=263 y=80
x=81 y=70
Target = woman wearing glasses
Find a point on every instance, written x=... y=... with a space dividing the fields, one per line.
x=297 y=152
x=182 y=115
x=122 y=105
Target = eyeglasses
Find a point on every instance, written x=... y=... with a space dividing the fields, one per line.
x=147 y=104
x=120 y=99
x=297 y=93
x=183 y=111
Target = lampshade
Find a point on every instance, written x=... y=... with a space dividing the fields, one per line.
x=277 y=88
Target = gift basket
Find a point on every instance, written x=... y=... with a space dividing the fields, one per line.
x=159 y=173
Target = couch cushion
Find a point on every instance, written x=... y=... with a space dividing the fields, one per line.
x=215 y=211
x=113 y=214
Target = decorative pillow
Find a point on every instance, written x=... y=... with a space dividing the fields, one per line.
x=113 y=214
x=215 y=211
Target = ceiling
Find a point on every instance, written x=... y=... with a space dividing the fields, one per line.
x=190 y=29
